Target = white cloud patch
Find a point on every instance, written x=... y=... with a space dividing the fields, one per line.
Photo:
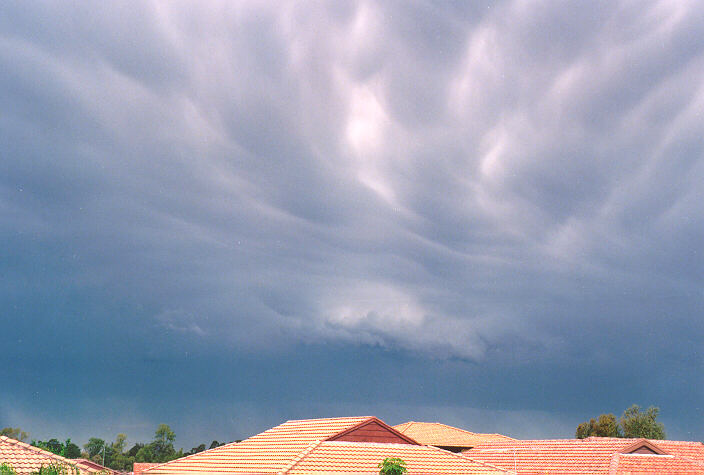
x=387 y=316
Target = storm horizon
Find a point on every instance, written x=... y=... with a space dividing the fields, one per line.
x=225 y=215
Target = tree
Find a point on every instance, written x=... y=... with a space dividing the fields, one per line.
x=135 y=448
x=163 y=445
x=633 y=424
x=94 y=447
x=195 y=450
x=71 y=450
x=120 y=443
x=392 y=466
x=14 y=433
x=214 y=444
x=115 y=456
x=161 y=449
x=145 y=454
x=605 y=426
x=642 y=424
x=56 y=469
x=52 y=445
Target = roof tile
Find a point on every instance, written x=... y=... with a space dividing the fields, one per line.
x=435 y=433
x=25 y=458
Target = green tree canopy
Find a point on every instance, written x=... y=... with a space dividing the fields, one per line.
x=392 y=466
x=635 y=423
x=195 y=450
x=135 y=448
x=71 y=450
x=14 y=433
x=605 y=426
x=94 y=447
x=6 y=469
x=632 y=424
x=52 y=445
x=163 y=444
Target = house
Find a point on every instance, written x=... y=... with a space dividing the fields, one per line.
x=351 y=445
x=446 y=437
x=26 y=459
x=593 y=456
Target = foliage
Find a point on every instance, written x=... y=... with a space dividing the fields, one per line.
x=115 y=455
x=14 y=433
x=195 y=450
x=6 y=469
x=632 y=424
x=56 y=469
x=71 y=450
x=94 y=447
x=642 y=424
x=135 y=448
x=67 y=449
x=392 y=466
x=161 y=449
x=605 y=426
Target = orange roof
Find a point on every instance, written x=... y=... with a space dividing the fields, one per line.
x=86 y=463
x=594 y=455
x=268 y=452
x=628 y=464
x=305 y=446
x=364 y=458
x=139 y=467
x=25 y=458
x=442 y=435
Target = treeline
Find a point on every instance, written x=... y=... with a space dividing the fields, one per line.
x=115 y=454
x=634 y=423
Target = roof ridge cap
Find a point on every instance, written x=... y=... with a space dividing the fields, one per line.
x=300 y=457
x=458 y=428
x=327 y=419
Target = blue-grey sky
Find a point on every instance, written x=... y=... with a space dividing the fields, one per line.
x=223 y=215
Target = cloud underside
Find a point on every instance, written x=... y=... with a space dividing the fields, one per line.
x=510 y=179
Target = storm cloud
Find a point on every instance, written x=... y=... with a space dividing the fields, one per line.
x=502 y=199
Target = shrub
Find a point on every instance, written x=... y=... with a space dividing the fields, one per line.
x=5 y=469
x=392 y=466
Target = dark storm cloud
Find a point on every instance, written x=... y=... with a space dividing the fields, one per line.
x=503 y=186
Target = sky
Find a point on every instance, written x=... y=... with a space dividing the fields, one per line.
x=223 y=215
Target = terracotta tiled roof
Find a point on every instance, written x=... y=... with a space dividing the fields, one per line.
x=297 y=447
x=437 y=434
x=268 y=452
x=363 y=458
x=682 y=448
x=26 y=459
x=594 y=455
x=85 y=463
x=139 y=467
x=627 y=464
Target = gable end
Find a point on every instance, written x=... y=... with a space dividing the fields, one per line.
x=373 y=430
x=642 y=446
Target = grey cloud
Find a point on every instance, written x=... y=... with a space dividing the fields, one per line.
x=502 y=183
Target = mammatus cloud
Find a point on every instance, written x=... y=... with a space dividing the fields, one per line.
x=512 y=185
x=352 y=171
